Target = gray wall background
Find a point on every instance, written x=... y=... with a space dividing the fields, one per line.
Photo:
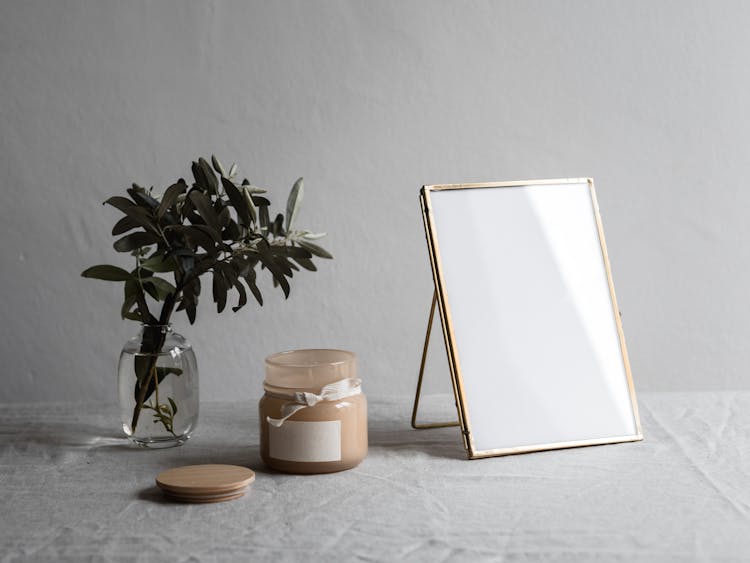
x=368 y=101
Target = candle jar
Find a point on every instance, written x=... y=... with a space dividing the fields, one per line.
x=313 y=416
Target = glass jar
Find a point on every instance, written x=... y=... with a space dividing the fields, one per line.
x=158 y=388
x=313 y=416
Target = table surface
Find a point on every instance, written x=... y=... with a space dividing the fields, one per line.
x=73 y=490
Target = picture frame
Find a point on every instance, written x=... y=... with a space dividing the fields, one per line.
x=521 y=271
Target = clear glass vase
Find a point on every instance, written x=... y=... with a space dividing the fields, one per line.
x=158 y=388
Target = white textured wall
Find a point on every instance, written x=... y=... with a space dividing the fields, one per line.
x=368 y=101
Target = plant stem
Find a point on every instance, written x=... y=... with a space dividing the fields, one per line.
x=152 y=353
x=151 y=348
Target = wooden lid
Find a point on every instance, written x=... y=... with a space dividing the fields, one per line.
x=205 y=480
x=205 y=498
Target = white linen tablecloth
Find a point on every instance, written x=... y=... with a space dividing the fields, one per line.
x=72 y=490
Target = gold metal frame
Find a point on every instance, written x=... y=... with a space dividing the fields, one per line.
x=415 y=408
x=440 y=298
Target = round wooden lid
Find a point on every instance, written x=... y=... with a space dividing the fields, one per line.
x=205 y=498
x=209 y=480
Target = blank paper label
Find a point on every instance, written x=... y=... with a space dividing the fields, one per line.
x=305 y=441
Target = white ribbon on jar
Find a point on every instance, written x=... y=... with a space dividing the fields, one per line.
x=301 y=400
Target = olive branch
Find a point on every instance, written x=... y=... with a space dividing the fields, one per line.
x=215 y=225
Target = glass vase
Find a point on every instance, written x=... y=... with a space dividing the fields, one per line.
x=158 y=388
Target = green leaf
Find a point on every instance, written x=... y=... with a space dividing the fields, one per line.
x=173 y=405
x=107 y=273
x=248 y=273
x=230 y=272
x=186 y=263
x=121 y=203
x=259 y=201
x=210 y=231
x=191 y=311
x=250 y=204
x=312 y=236
x=126 y=312
x=151 y=290
x=283 y=265
x=263 y=218
x=293 y=202
x=217 y=165
x=142 y=197
x=290 y=251
x=254 y=189
x=315 y=249
x=277 y=228
x=307 y=264
x=276 y=272
x=224 y=217
x=124 y=225
x=189 y=300
x=219 y=291
x=248 y=268
x=137 y=214
x=238 y=202
x=180 y=252
x=201 y=237
x=255 y=291
x=170 y=197
x=213 y=185
x=243 y=296
x=159 y=263
x=162 y=286
x=133 y=290
x=232 y=170
x=231 y=232
x=135 y=240
x=200 y=178
x=205 y=209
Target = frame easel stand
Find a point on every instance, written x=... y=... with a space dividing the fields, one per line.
x=414 y=423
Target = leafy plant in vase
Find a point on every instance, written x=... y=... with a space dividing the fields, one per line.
x=215 y=226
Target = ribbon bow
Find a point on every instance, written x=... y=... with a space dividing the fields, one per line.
x=331 y=392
